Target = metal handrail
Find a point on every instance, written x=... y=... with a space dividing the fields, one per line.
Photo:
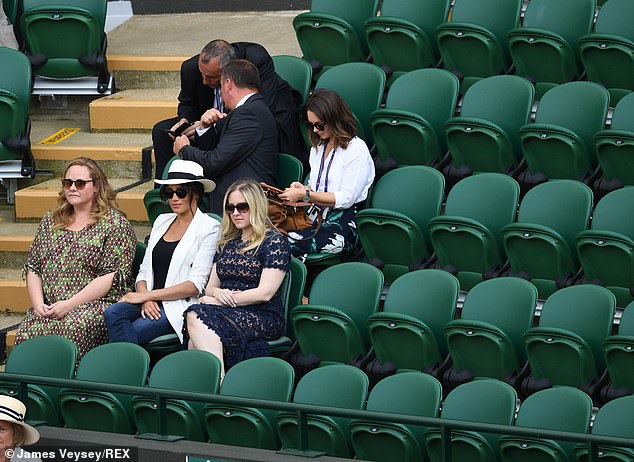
x=303 y=411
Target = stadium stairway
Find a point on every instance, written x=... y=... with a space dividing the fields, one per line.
x=145 y=54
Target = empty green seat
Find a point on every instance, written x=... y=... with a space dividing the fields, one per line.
x=44 y=356
x=409 y=331
x=334 y=325
x=296 y=71
x=473 y=43
x=544 y=49
x=116 y=363
x=613 y=419
x=606 y=250
x=564 y=409
x=189 y=370
x=615 y=146
x=567 y=347
x=467 y=239
x=485 y=401
x=541 y=244
x=487 y=340
x=403 y=37
x=11 y=9
x=484 y=137
x=250 y=427
x=559 y=143
x=619 y=353
x=65 y=39
x=409 y=393
x=393 y=229
x=607 y=53
x=289 y=169
x=15 y=94
x=335 y=385
x=409 y=128
x=361 y=85
x=331 y=33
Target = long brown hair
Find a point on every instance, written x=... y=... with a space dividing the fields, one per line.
x=104 y=199
x=334 y=112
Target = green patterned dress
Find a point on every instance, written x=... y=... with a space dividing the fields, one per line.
x=67 y=261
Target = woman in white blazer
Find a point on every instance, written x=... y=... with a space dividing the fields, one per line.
x=177 y=262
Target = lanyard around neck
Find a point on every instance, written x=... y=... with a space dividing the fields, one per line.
x=321 y=168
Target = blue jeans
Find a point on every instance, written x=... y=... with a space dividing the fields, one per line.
x=125 y=324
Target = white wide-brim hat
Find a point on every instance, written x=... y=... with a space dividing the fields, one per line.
x=186 y=171
x=13 y=410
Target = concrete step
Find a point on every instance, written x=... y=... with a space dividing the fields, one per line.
x=31 y=203
x=13 y=289
x=133 y=109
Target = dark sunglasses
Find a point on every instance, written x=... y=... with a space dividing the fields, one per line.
x=79 y=184
x=168 y=193
x=318 y=125
x=241 y=206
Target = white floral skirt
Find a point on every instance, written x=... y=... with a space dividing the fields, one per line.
x=337 y=234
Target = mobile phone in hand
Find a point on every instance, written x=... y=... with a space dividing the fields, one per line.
x=180 y=129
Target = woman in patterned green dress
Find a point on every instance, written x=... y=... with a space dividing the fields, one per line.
x=79 y=262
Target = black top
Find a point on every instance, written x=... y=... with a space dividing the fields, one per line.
x=161 y=258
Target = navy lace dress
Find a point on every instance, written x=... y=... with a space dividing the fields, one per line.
x=244 y=330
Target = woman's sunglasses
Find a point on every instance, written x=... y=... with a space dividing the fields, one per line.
x=79 y=184
x=318 y=125
x=168 y=193
x=241 y=206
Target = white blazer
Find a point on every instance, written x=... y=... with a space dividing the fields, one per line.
x=191 y=261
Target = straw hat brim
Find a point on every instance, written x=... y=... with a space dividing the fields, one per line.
x=208 y=185
x=31 y=435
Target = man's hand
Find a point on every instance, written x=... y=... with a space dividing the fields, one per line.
x=190 y=131
x=179 y=142
x=210 y=117
x=176 y=125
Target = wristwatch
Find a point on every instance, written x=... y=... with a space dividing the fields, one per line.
x=306 y=198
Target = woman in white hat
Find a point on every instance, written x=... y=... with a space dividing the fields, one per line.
x=176 y=265
x=14 y=433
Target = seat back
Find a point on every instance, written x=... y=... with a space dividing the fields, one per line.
x=474 y=42
x=574 y=323
x=335 y=385
x=289 y=169
x=409 y=129
x=296 y=71
x=487 y=340
x=485 y=401
x=559 y=143
x=361 y=85
x=610 y=213
x=568 y=410
x=615 y=147
x=408 y=393
x=485 y=135
x=394 y=227
x=15 y=92
x=545 y=49
x=64 y=34
x=248 y=427
x=618 y=353
x=11 y=9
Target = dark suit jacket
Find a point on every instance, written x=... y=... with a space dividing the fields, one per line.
x=195 y=98
x=247 y=148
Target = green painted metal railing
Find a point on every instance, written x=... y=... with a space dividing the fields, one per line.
x=303 y=410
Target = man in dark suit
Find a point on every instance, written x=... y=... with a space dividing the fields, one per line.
x=200 y=91
x=247 y=144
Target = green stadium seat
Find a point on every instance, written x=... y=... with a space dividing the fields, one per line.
x=484 y=137
x=619 y=354
x=559 y=143
x=541 y=245
x=119 y=363
x=250 y=427
x=564 y=409
x=473 y=43
x=334 y=325
x=467 y=239
x=409 y=128
x=335 y=385
x=296 y=71
x=44 y=356
x=409 y=393
x=289 y=169
x=403 y=37
x=544 y=49
x=409 y=332
x=393 y=229
x=606 y=250
x=11 y=10
x=485 y=401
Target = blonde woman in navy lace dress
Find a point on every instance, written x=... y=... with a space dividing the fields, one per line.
x=242 y=308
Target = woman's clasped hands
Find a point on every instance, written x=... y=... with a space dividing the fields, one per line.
x=223 y=297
